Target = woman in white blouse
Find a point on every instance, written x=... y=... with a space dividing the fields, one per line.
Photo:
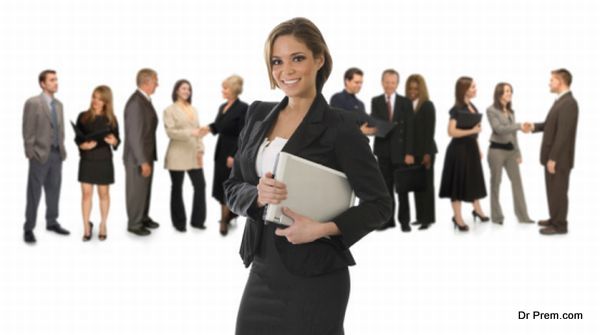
x=185 y=154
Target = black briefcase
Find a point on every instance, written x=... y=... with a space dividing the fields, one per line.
x=410 y=178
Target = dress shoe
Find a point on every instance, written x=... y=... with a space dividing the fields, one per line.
x=151 y=224
x=526 y=221
x=58 y=229
x=544 y=223
x=101 y=236
x=141 y=231
x=181 y=229
x=406 y=227
x=202 y=226
x=29 y=237
x=415 y=223
x=500 y=222
x=424 y=226
x=551 y=230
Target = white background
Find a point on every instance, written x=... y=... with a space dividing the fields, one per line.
x=426 y=282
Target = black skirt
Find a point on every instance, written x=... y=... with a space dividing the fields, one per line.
x=220 y=175
x=97 y=172
x=277 y=302
x=462 y=177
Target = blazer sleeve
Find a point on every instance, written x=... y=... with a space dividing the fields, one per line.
x=115 y=132
x=29 y=121
x=173 y=132
x=409 y=126
x=356 y=160
x=428 y=114
x=493 y=116
x=215 y=127
x=136 y=128
x=241 y=196
x=79 y=125
x=567 y=122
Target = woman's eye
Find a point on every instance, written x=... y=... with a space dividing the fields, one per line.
x=275 y=62
x=298 y=58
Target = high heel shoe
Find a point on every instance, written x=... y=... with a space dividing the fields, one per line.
x=88 y=237
x=223 y=227
x=102 y=237
x=462 y=227
x=480 y=217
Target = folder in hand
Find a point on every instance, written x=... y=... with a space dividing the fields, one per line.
x=97 y=136
x=313 y=190
x=467 y=120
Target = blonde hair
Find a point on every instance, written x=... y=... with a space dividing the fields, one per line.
x=106 y=96
x=306 y=32
x=235 y=83
x=144 y=76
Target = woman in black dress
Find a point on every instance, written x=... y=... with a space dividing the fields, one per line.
x=462 y=177
x=299 y=281
x=228 y=124
x=95 y=164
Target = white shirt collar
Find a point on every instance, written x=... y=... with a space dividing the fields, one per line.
x=561 y=94
x=144 y=94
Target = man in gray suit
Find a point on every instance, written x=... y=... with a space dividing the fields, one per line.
x=558 y=151
x=43 y=138
x=140 y=152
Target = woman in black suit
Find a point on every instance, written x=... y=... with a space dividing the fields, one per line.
x=95 y=164
x=462 y=177
x=228 y=124
x=299 y=282
x=424 y=147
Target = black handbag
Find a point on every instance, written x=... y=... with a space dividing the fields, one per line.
x=410 y=178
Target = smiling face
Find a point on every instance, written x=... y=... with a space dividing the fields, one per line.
x=413 y=90
x=471 y=92
x=389 y=83
x=183 y=92
x=294 y=67
x=97 y=102
x=506 y=95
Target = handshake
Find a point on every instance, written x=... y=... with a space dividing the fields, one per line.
x=527 y=127
x=201 y=131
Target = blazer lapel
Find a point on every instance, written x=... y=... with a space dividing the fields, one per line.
x=309 y=129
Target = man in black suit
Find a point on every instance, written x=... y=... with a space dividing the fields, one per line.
x=139 y=152
x=397 y=147
x=558 y=151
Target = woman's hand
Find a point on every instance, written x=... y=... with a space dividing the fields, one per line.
x=426 y=161
x=519 y=160
x=229 y=162
x=270 y=191
x=111 y=139
x=303 y=230
x=88 y=145
x=476 y=129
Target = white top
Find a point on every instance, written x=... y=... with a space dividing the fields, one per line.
x=415 y=104
x=267 y=155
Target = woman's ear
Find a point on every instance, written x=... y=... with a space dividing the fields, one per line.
x=320 y=60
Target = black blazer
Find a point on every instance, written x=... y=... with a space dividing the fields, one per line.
x=424 y=130
x=229 y=125
x=560 y=128
x=324 y=136
x=399 y=141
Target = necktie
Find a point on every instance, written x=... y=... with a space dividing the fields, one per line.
x=389 y=108
x=54 y=119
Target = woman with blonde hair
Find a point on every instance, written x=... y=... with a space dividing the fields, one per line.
x=98 y=136
x=228 y=124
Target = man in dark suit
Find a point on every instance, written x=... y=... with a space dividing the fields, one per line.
x=346 y=100
x=44 y=141
x=139 y=152
x=558 y=151
x=396 y=148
